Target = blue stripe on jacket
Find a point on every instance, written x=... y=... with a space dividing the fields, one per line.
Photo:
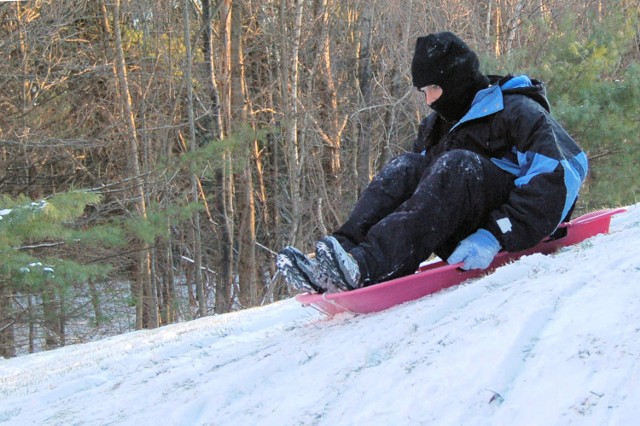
x=489 y=101
x=531 y=165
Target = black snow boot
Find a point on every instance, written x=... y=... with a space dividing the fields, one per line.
x=303 y=273
x=339 y=265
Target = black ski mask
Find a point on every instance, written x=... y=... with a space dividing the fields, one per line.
x=445 y=60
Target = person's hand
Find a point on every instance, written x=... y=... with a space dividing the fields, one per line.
x=476 y=251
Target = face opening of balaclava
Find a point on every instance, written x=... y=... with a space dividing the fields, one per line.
x=445 y=60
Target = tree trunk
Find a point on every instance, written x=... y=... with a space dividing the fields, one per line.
x=7 y=321
x=95 y=303
x=364 y=81
x=213 y=119
x=147 y=312
x=290 y=78
x=488 y=37
x=51 y=317
x=214 y=128
x=514 y=23
x=168 y=313
x=223 y=176
x=32 y=324
x=498 y=23
x=247 y=270
x=247 y=267
x=195 y=198
x=336 y=124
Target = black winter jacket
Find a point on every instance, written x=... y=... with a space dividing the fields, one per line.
x=510 y=124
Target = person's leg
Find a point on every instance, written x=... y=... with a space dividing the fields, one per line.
x=453 y=198
x=387 y=191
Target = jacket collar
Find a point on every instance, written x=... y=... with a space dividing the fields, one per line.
x=490 y=100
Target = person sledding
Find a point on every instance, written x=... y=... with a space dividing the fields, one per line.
x=491 y=169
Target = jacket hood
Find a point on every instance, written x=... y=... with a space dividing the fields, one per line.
x=522 y=85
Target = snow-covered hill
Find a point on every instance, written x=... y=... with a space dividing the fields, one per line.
x=548 y=340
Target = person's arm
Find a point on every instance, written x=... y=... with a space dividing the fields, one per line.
x=551 y=168
x=424 y=138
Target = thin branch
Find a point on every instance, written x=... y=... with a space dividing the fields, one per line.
x=41 y=245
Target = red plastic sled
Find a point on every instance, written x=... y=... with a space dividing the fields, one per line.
x=434 y=277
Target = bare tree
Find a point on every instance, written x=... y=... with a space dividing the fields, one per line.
x=195 y=193
x=365 y=78
x=277 y=118
x=7 y=322
x=147 y=312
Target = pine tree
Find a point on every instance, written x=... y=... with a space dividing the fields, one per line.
x=593 y=81
x=39 y=242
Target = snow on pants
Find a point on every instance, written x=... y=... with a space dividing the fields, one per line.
x=414 y=208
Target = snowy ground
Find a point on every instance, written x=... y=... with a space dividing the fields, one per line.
x=548 y=340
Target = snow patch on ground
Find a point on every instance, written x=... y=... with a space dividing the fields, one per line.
x=544 y=340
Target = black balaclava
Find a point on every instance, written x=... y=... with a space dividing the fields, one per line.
x=445 y=60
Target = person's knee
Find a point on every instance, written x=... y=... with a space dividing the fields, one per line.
x=406 y=162
x=404 y=169
x=460 y=162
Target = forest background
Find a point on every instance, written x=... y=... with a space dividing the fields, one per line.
x=155 y=154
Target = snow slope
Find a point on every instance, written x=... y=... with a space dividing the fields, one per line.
x=547 y=340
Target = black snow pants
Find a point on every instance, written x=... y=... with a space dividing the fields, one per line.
x=415 y=207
